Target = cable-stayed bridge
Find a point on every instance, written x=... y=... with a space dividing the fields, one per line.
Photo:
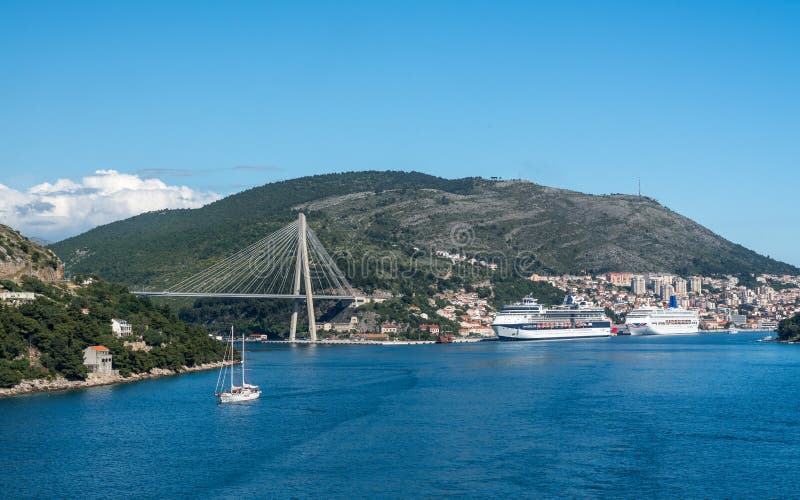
x=290 y=263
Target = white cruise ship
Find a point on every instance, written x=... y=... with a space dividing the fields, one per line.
x=658 y=321
x=529 y=320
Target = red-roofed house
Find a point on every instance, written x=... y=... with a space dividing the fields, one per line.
x=97 y=359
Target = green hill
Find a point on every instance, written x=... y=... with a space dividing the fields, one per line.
x=373 y=221
x=46 y=337
x=789 y=329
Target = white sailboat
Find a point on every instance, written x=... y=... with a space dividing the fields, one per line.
x=234 y=393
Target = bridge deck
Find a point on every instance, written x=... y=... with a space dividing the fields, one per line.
x=245 y=295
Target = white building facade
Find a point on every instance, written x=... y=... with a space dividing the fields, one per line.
x=98 y=359
x=121 y=328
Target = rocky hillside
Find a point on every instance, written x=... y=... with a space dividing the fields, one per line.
x=367 y=216
x=20 y=256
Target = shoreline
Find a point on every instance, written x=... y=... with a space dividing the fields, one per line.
x=369 y=342
x=35 y=386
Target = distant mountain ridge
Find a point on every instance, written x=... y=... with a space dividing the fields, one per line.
x=355 y=213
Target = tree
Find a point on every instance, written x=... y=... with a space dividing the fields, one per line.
x=9 y=377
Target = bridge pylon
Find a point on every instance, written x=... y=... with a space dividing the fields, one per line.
x=302 y=267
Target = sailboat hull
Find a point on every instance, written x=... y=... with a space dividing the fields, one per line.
x=240 y=396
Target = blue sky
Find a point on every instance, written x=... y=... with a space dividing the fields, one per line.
x=699 y=99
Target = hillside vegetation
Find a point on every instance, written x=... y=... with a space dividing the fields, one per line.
x=789 y=329
x=369 y=219
x=384 y=228
x=52 y=331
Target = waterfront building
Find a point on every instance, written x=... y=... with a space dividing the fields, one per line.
x=389 y=328
x=767 y=324
x=98 y=359
x=483 y=331
x=738 y=319
x=345 y=327
x=121 y=328
x=696 y=284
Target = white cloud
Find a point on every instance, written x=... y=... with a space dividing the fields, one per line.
x=66 y=208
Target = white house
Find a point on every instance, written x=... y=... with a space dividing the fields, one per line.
x=121 y=328
x=97 y=359
x=389 y=328
x=17 y=297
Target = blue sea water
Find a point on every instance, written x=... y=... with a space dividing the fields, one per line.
x=694 y=416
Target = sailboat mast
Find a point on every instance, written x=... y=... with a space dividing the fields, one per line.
x=242 y=360
x=232 y=358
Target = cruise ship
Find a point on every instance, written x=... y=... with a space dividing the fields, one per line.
x=529 y=320
x=658 y=321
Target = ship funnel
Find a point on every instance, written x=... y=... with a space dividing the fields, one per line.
x=673 y=302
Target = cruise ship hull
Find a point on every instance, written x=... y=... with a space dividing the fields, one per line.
x=521 y=333
x=648 y=329
x=669 y=321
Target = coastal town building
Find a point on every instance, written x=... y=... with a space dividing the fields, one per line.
x=389 y=328
x=98 y=359
x=767 y=324
x=738 y=319
x=619 y=279
x=121 y=328
x=638 y=285
x=680 y=287
x=343 y=327
x=17 y=298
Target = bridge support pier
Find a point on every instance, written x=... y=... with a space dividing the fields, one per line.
x=302 y=260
